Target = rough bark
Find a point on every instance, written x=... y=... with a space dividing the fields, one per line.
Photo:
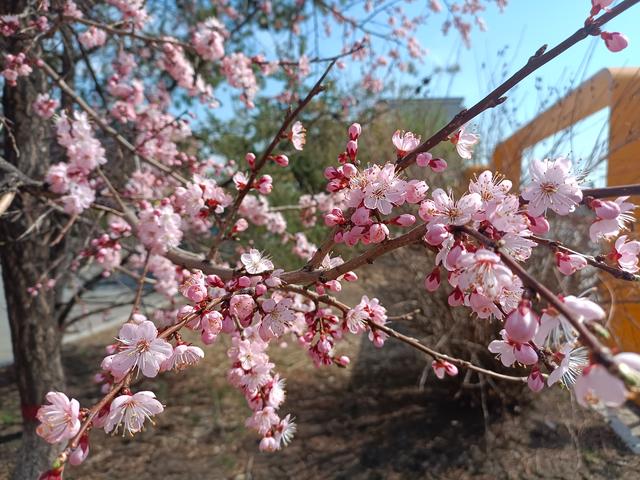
x=34 y=330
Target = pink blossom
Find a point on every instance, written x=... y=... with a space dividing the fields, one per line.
x=404 y=220
x=281 y=160
x=60 y=419
x=384 y=189
x=81 y=452
x=552 y=186
x=522 y=323
x=538 y=225
x=416 y=191
x=553 y=325
x=535 y=381
x=182 y=357
x=278 y=317
x=140 y=347
x=241 y=306
x=490 y=187
x=432 y=281
x=93 y=37
x=510 y=351
x=570 y=263
x=354 y=131
x=15 y=66
x=608 y=226
x=444 y=209
x=484 y=272
x=615 y=41
x=208 y=39
x=9 y=24
x=131 y=411
x=298 y=136
x=423 y=159
x=626 y=254
x=44 y=106
x=255 y=262
x=465 y=142
x=237 y=68
x=405 y=142
x=265 y=184
x=442 y=367
x=436 y=234
x=194 y=287
x=160 y=228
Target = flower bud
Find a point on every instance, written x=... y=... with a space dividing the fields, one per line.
x=423 y=159
x=615 y=41
x=281 y=160
x=436 y=234
x=522 y=323
x=251 y=159
x=535 y=380
x=352 y=149
x=438 y=165
x=432 y=281
x=605 y=209
x=354 y=131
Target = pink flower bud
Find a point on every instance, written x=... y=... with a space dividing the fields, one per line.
x=432 y=281
x=251 y=159
x=378 y=232
x=615 y=41
x=334 y=285
x=423 y=159
x=241 y=306
x=535 y=380
x=525 y=354
x=354 y=131
x=436 y=234
x=240 y=226
x=281 y=160
x=605 y=209
x=331 y=173
x=349 y=170
x=404 y=220
x=438 y=165
x=261 y=289
x=361 y=216
x=342 y=361
x=569 y=264
x=538 y=225
x=334 y=218
x=352 y=149
x=350 y=277
x=244 y=281
x=265 y=184
x=522 y=323
x=214 y=281
x=416 y=191
x=456 y=298
x=440 y=367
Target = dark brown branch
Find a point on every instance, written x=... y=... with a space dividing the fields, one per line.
x=617 y=191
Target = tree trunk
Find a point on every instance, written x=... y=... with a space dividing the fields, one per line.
x=35 y=334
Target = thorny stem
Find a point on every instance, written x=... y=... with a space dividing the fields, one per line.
x=495 y=98
x=344 y=308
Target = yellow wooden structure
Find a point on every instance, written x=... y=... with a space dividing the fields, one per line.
x=619 y=90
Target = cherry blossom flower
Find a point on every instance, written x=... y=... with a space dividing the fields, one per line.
x=298 y=136
x=15 y=66
x=241 y=306
x=464 y=142
x=278 y=317
x=255 y=262
x=405 y=142
x=159 y=228
x=194 y=287
x=44 y=106
x=93 y=37
x=509 y=351
x=442 y=367
x=598 y=385
x=182 y=357
x=484 y=272
x=556 y=329
x=9 y=24
x=208 y=39
x=131 y=411
x=384 y=190
x=572 y=361
x=626 y=254
x=552 y=186
x=490 y=187
x=140 y=347
x=570 y=263
x=60 y=419
x=612 y=218
x=445 y=210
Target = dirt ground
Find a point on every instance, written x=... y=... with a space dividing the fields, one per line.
x=370 y=421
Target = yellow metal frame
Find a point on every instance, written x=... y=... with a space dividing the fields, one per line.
x=618 y=89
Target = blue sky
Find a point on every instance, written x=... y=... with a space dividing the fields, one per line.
x=519 y=31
